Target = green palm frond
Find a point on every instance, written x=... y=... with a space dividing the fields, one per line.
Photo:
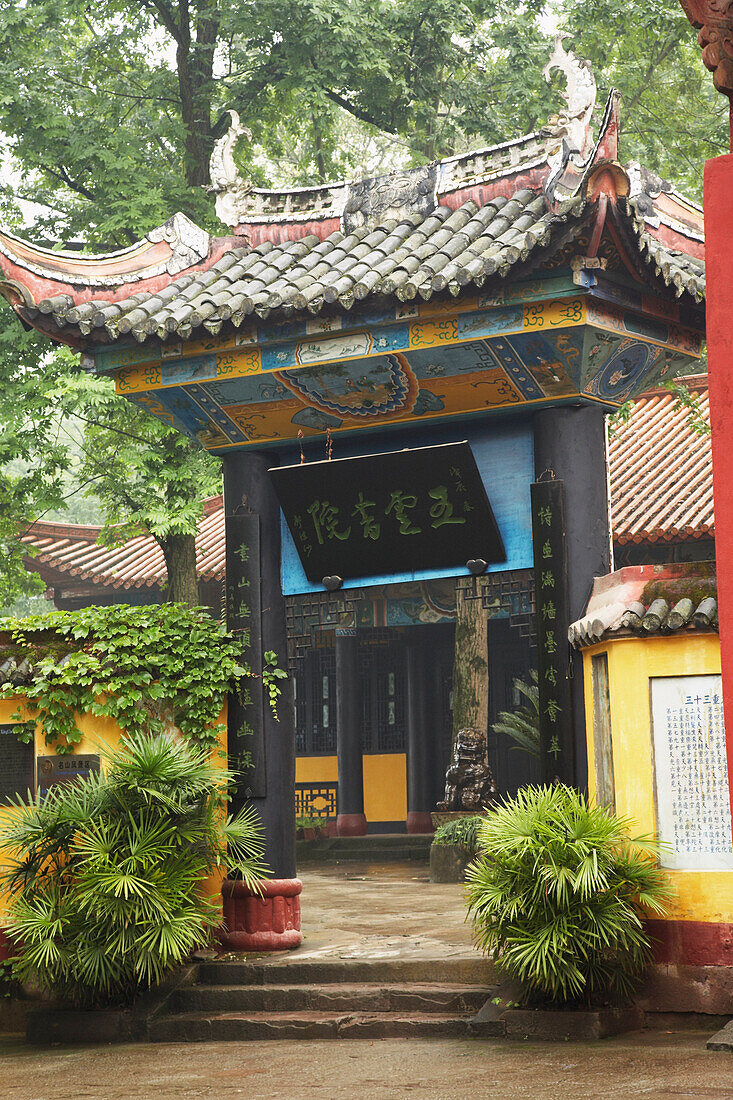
x=559 y=894
x=522 y=724
x=105 y=875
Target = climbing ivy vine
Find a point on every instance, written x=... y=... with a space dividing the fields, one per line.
x=145 y=667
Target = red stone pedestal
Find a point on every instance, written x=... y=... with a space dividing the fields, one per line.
x=418 y=822
x=261 y=922
x=351 y=825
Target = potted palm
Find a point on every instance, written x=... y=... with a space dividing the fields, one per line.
x=558 y=896
x=106 y=882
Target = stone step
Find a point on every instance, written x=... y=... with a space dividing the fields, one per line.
x=475 y=970
x=332 y=997
x=378 y=847
x=191 y=1027
x=305 y=855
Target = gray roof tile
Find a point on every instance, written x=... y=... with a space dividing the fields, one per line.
x=447 y=249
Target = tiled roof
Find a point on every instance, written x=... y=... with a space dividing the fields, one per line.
x=649 y=600
x=677 y=268
x=661 y=472
x=67 y=550
x=418 y=254
x=445 y=250
x=661 y=491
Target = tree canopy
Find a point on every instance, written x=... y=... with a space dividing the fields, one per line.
x=110 y=112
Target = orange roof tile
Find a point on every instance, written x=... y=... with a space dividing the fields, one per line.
x=661 y=472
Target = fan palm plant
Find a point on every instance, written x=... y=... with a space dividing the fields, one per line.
x=560 y=893
x=522 y=724
x=105 y=874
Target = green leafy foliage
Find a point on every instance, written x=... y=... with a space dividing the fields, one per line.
x=559 y=895
x=522 y=724
x=698 y=421
x=271 y=675
x=311 y=822
x=145 y=667
x=105 y=874
x=462 y=831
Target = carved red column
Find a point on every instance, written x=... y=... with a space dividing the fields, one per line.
x=714 y=18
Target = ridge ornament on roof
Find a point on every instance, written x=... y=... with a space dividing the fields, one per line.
x=574 y=123
x=226 y=183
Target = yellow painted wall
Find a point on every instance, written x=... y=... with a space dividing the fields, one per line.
x=632 y=662
x=385 y=782
x=99 y=733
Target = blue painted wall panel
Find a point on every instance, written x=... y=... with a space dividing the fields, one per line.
x=504 y=454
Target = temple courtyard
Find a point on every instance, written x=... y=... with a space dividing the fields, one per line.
x=376 y=914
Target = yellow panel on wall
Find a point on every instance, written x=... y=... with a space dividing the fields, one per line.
x=703 y=895
x=385 y=782
x=385 y=787
x=316 y=769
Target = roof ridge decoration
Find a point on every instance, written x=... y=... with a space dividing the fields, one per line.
x=226 y=183
x=170 y=248
x=566 y=142
x=574 y=123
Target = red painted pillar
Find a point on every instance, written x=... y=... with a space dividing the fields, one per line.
x=719 y=324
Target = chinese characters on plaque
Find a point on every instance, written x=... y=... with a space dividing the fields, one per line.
x=693 y=805
x=423 y=508
x=551 y=610
x=52 y=770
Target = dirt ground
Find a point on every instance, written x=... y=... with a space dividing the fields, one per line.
x=649 y=1065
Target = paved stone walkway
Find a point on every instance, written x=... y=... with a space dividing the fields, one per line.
x=381 y=911
x=371 y=912
x=648 y=1066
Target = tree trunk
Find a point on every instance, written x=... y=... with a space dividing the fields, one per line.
x=180 y=560
x=469 y=784
x=470 y=668
x=195 y=65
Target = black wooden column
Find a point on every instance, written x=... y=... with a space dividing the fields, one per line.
x=419 y=754
x=350 y=820
x=570 y=442
x=255 y=607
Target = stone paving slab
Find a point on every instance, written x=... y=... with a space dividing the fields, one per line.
x=380 y=911
x=640 y=1066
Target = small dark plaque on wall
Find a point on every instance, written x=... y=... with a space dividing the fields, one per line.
x=397 y=512
x=52 y=770
x=16 y=764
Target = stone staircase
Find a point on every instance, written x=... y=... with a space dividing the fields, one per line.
x=373 y=848
x=327 y=999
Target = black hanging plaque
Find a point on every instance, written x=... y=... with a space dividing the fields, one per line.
x=551 y=608
x=423 y=508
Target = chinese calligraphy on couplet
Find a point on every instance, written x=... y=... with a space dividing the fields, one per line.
x=548 y=535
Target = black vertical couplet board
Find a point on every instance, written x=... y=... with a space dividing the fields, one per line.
x=17 y=760
x=422 y=508
x=551 y=607
x=244 y=619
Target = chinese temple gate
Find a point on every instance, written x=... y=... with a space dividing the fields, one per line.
x=467 y=324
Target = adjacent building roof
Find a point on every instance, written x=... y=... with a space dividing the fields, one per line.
x=66 y=551
x=661 y=491
x=661 y=471
x=649 y=600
